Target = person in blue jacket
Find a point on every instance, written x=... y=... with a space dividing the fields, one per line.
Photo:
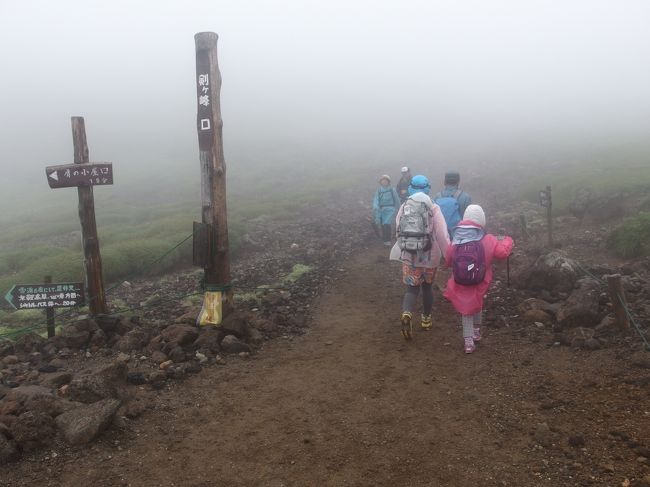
x=385 y=205
x=452 y=200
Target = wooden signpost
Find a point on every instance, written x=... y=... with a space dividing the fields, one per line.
x=47 y=296
x=546 y=201
x=84 y=176
x=211 y=236
x=71 y=175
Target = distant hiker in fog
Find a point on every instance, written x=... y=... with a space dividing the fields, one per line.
x=470 y=258
x=422 y=239
x=403 y=184
x=385 y=205
x=452 y=200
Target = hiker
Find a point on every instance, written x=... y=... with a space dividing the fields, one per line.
x=403 y=184
x=470 y=257
x=452 y=201
x=385 y=205
x=422 y=239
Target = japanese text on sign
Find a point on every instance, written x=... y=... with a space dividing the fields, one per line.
x=544 y=199
x=35 y=296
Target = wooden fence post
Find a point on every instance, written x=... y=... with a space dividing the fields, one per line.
x=49 y=313
x=617 y=295
x=549 y=216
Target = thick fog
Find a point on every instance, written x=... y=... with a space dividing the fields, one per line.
x=339 y=78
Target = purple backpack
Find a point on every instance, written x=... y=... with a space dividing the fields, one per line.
x=469 y=263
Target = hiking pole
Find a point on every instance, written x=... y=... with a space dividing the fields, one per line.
x=501 y=236
x=375 y=228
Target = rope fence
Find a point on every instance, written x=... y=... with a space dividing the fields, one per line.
x=15 y=333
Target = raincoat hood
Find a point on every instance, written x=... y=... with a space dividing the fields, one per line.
x=474 y=214
x=422 y=198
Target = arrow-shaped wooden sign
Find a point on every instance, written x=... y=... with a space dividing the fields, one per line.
x=71 y=175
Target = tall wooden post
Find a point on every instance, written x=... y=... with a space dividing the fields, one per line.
x=549 y=216
x=49 y=313
x=90 y=241
x=617 y=295
x=213 y=164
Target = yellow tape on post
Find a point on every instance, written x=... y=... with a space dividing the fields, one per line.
x=211 y=311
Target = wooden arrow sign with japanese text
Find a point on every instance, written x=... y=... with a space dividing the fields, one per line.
x=71 y=175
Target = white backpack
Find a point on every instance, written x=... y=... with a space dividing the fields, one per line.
x=413 y=232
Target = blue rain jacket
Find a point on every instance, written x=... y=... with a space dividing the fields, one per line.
x=385 y=205
x=464 y=200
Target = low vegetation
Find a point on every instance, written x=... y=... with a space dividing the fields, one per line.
x=624 y=169
x=632 y=238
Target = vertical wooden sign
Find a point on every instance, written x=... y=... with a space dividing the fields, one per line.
x=213 y=164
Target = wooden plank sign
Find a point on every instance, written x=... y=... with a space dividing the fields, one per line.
x=544 y=199
x=41 y=296
x=73 y=175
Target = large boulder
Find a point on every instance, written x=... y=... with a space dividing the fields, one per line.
x=33 y=430
x=28 y=393
x=179 y=335
x=6 y=347
x=236 y=324
x=105 y=382
x=98 y=339
x=56 y=379
x=553 y=271
x=83 y=424
x=8 y=450
x=232 y=344
x=133 y=340
x=581 y=307
x=32 y=398
x=73 y=338
x=209 y=340
x=28 y=343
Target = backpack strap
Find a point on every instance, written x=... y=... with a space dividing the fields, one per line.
x=457 y=193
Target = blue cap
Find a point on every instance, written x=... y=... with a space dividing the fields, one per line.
x=419 y=184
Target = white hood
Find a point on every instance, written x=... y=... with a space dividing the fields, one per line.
x=422 y=198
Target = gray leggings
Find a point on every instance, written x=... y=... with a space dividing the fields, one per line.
x=411 y=297
x=470 y=322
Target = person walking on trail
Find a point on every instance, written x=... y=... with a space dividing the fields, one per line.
x=422 y=239
x=470 y=257
x=452 y=200
x=385 y=205
x=403 y=184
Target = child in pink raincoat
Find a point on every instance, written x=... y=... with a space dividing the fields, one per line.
x=468 y=298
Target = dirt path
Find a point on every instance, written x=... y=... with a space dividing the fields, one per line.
x=351 y=404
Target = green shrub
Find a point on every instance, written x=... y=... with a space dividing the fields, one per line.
x=632 y=238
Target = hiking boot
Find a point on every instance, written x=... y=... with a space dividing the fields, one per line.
x=425 y=322
x=469 y=345
x=477 y=334
x=407 y=325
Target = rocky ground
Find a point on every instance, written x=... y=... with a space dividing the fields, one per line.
x=557 y=394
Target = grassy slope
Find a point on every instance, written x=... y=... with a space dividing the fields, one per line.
x=138 y=224
x=622 y=168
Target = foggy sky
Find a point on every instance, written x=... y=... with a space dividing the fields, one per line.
x=364 y=77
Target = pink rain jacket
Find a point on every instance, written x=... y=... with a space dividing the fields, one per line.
x=468 y=300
